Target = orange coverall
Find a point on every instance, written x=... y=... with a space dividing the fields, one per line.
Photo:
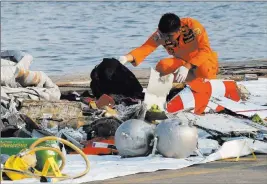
x=191 y=46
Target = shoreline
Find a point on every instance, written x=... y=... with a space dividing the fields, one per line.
x=234 y=71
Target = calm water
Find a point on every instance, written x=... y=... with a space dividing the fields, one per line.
x=68 y=37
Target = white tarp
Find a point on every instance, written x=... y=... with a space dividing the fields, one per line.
x=106 y=167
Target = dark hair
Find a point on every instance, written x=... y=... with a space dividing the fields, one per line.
x=169 y=22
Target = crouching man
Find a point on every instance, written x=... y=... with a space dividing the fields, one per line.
x=187 y=41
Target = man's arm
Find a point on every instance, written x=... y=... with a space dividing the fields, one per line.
x=187 y=65
x=137 y=55
x=204 y=50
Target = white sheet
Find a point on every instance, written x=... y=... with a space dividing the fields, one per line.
x=106 y=167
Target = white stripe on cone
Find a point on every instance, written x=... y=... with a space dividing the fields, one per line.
x=187 y=98
x=217 y=88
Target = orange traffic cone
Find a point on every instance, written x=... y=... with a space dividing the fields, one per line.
x=197 y=95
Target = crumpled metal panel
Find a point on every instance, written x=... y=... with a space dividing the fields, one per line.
x=222 y=123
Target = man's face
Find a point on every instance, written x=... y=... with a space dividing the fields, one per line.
x=171 y=36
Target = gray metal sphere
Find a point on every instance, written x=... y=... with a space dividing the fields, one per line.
x=133 y=137
x=175 y=139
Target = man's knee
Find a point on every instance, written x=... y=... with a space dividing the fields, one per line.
x=207 y=71
x=161 y=66
x=168 y=65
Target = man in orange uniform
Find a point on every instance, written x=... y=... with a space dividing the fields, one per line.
x=187 y=41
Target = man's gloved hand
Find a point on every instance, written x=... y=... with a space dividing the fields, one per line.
x=181 y=74
x=123 y=60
